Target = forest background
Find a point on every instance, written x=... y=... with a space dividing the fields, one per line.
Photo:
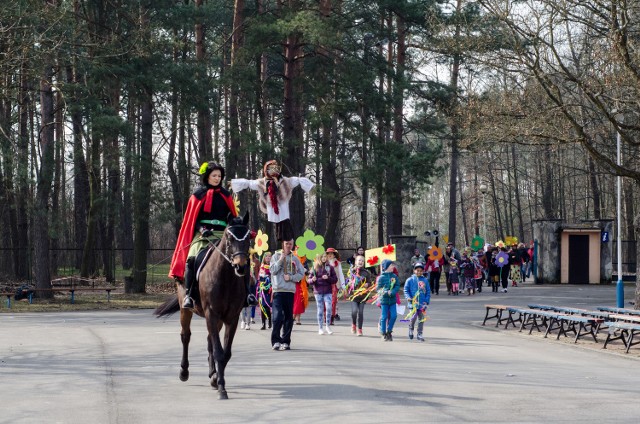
x=469 y=117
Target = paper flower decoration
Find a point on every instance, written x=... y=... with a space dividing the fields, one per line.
x=309 y=244
x=203 y=168
x=477 y=243
x=502 y=259
x=388 y=249
x=236 y=202
x=445 y=238
x=435 y=253
x=510 y=240
x=261 y=242
x=380 y=254
x=500 y=244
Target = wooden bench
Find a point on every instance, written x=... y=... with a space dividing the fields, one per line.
x=499 y=309
x=619 y=310
x=627 y=332
x=579 y=325
x=72 y=291
x=516 y=315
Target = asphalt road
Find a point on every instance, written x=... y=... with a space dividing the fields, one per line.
x=122 y=367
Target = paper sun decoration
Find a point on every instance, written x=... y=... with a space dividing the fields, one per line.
x=511 y=240
x=502 y=259
x=477 y=243
x=373 y=257
x=236 y=203
x=261 y=243
x=435 y=253
x=310 y=245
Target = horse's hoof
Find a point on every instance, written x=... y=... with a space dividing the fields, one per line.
x=223 y=395
x=214 y=383
x=184 y=375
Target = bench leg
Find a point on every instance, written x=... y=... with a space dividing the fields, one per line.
x=630 y=340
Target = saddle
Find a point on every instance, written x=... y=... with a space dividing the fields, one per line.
x=198 y=265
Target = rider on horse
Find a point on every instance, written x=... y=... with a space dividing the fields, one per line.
x=204 y=223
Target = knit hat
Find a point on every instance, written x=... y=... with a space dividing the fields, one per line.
x=385 y=264
x=418 y=265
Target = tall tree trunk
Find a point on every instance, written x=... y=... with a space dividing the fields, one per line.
x=7 y=189
x=41 y=239
x=204 y=152
x=234 y=153
x=394 y=179
x=56 y=225
x=516 y=189
x=595 y=189
x=292 y=131
x=453 y=85
x=142 y=195
x=80 y=172
x=127 y=192
x=22 y=165
x=112 y=165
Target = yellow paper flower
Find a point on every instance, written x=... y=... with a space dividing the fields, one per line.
x=500 y=244
x=261 y=243
x=203 y=168
x=236 y=203
x=309 y=244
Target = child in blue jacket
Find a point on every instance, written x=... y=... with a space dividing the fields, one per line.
x=418 y=294
x=387 y=287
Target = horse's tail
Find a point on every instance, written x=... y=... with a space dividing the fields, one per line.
x=170 y=307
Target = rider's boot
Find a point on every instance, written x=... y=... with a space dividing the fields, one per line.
x=189 y=277
x=251 y=298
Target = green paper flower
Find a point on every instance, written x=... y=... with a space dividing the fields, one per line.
x=203 y=168
x=477 y=243
x=309 y=244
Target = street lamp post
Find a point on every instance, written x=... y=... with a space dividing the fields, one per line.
x=620 y=284
x=483 y=190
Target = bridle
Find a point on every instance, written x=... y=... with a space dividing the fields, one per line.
x=224 y=253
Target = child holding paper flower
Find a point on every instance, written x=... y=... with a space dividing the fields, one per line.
x=387 y=286
x=417 y=292
x=358 y=286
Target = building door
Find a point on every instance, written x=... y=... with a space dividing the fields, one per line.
x=578 y=259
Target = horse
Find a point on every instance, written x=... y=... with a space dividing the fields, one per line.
x=223 y=292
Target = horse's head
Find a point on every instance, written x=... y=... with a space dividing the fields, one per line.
x=238 y=236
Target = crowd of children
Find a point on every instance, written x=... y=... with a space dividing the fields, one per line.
x=465 y=271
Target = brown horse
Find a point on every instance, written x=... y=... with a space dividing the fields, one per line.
x=222 y=289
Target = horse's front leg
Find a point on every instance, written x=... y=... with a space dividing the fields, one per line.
x=214 y=345
x=185 y=336
x=225 y=356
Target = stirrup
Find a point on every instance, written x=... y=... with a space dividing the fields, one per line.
x=187 y=303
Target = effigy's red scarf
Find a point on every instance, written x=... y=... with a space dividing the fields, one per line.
x=273 y=195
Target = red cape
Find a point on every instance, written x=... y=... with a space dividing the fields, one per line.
x=186 y=233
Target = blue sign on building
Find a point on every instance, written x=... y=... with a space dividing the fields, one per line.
x=605 y=236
